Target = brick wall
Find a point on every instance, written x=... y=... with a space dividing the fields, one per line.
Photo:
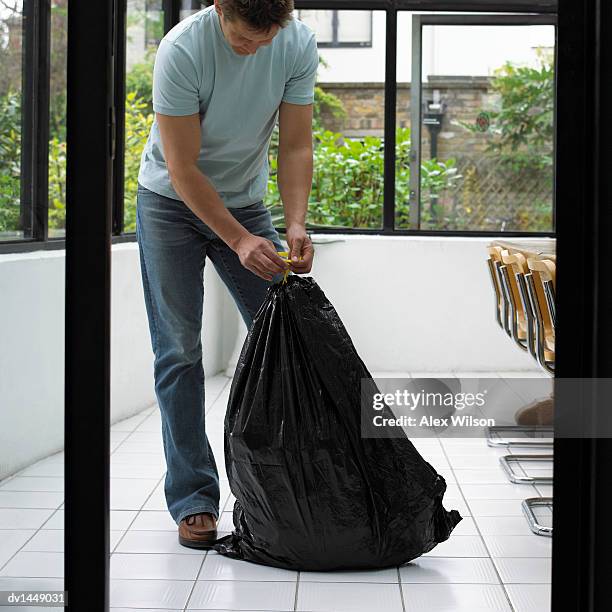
x=464 y=99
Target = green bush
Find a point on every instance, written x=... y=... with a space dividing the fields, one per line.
x=347 y=188
x=57 y=184
x=524 y=124
x=138 y=123
x=139 y=81
x=10 y=161
x=348 y=176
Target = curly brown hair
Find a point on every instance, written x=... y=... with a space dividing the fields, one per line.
x=260 y=15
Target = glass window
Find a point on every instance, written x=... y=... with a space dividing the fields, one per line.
x=189 y=7
x=347 y=186
x=486 y=147
x=14 y=222
x=339 y=28
x=144 y=30
x=322 y=24
x=354 y=27
x=57 y=118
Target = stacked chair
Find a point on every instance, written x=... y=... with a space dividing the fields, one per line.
x=524 y=287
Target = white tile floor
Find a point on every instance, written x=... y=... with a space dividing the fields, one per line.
x=492 y=562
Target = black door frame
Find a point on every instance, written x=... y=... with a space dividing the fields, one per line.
x=582 y=492
x=582 y=495
x=89 y=178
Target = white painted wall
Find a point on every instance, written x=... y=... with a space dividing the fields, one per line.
x=32 y=348
x=417 y=303
x=409 y=303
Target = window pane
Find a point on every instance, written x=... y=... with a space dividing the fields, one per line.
x=12 y=45
x=355 y=27
x=144 y=30
x=347 y=187
x=57 y=119
x=487 y=129
x=189 y=7
x=321 y=23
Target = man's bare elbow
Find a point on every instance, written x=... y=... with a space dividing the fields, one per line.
x=296 y=149
x=178 y=170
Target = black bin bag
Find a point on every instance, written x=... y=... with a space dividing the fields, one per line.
x=311 y=492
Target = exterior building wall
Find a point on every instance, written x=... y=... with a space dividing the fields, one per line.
x=463 y=98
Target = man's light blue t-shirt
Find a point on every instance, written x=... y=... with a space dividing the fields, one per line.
x=196 y=70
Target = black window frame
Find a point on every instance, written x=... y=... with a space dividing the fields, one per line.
x=36 y=156
x=35 y=75
x=337 y=44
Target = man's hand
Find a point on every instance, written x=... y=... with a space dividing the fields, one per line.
x=259 y=256
x=300 y=246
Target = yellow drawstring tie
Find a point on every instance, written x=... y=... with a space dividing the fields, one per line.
x=285 y=257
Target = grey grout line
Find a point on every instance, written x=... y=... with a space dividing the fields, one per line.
x=286 y=581
x=149 y=412
x=195 y=581
x=19 y=472
x=50 y=517
x=399 y=581
x=20 y=549
x=141 y=509
x=130 y=434
x=137 y=513
x=176 y=554
x=297 y=587
x=3 y=490
x=221 y=391
x=484 y=543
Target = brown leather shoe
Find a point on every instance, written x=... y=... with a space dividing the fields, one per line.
x=198 y=530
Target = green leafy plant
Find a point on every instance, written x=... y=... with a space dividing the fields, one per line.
x=139 y=80
x=522 y=125
x=348 y=175
x=57 y=184
x=138 y=122
x=10 y=161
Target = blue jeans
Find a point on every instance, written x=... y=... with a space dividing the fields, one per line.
x=173 y=244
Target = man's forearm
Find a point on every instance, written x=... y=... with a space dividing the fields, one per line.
x=202 y=198
x=294 y=183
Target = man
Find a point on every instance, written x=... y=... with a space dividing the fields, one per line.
x=221 y=79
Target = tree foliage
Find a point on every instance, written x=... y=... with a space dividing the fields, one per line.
x=522 y=124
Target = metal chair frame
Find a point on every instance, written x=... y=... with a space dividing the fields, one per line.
x=534 y=442
x=528 y=505
x=496 y=288
x=507 y=462
x=540 y=336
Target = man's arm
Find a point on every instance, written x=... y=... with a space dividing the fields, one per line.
x=180 y=137
x=295 y=179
